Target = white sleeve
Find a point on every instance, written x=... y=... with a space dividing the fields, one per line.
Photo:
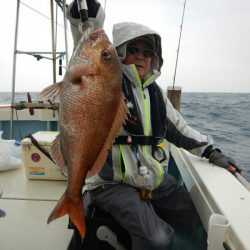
x=183 y=135
x=98 y=22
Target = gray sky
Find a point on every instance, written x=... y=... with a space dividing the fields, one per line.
x=214 y=54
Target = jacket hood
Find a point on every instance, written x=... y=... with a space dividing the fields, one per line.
x=125 y=32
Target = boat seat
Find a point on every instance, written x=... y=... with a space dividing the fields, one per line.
x=102 y=231
x=102 y=228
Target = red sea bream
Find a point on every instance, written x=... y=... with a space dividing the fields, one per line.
x=92 y=111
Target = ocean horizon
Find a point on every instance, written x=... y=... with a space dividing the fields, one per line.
x=224 y=116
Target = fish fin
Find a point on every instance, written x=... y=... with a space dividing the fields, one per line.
x=51 y=92
x=120 y=117
x=56 y=153
x=74 y=208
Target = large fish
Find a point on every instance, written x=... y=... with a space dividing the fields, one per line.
x=92 y=111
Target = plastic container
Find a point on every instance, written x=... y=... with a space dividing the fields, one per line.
x=145 y=181
x=15 y=147
x=144 y=177
x=37 y=165
x=9 y=154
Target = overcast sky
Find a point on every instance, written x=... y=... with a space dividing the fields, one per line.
x=214 y=54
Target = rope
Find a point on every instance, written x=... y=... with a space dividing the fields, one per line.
x=36 y=144
x=18 y=125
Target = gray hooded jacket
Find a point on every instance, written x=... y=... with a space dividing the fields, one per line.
x=121 y=165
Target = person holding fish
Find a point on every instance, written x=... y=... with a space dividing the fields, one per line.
x=133 y=184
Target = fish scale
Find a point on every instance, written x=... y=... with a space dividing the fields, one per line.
x=92 y=112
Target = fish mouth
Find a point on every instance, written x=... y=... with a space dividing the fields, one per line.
x=96 y=34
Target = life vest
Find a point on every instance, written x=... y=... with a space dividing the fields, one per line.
x=134 y=125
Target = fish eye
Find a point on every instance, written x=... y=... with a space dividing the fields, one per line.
x=106 y=54
x=76 y=81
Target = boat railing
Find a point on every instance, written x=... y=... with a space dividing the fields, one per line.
x=215 y=190
x=54 y=53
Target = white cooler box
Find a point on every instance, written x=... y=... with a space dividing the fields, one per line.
x=37 y=164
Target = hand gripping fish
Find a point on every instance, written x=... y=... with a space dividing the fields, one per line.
x=92 y=111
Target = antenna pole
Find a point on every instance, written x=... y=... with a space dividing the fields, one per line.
x=53 y=41
x=179 y=42
x=14 y=70
x=65 y=32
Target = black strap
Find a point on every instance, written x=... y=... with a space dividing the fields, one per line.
x=137 y=140
x=133 y=125
x=36 y=144
x=158 y=110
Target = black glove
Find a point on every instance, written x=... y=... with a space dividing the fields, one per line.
x=93 y=7
x=216 y=157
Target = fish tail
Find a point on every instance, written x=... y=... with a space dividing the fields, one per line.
x=72 y=207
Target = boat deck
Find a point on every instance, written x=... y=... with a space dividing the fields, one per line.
x=27 y=204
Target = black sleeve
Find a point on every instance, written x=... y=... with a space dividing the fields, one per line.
x=174 y=136
x=93 y=7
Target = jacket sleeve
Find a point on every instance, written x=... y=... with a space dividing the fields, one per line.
x=181 y=134
x=98 y=22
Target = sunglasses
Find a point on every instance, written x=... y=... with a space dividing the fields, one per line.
x=147 y=53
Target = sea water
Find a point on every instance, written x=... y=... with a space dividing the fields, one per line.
x=224 y=116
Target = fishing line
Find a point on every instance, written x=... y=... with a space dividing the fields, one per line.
x=179 y=43
x=105 y=6
x=43 y=15
x=56 y=29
